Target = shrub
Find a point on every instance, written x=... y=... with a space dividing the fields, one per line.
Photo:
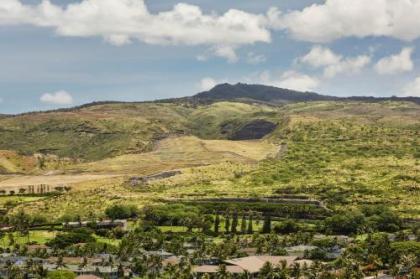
x=345 y=223
x=288 y=226
x=63 y=240
x=121 y=212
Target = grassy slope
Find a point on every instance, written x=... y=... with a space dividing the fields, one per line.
x=92 y=133
x=346 y=154
x=103 y=131
x=11 y=162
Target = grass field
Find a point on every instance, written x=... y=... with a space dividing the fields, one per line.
x=38 y=237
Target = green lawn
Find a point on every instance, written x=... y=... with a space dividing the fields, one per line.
x=39 y=237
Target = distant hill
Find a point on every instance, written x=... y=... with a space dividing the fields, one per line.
x=255 y=92
x=275 y=95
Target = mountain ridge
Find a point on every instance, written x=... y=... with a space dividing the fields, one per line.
x=241 y=92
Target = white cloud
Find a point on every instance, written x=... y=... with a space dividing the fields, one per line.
x=332 y=63
x=347 y=65
x=207 y=83
x=290 y=80
x=398 y=63
x=123 y=21
x=253 y=58
x=226 y=52
x=413 y=88
x=319 y=56
x=57 y=98
x=335 y=19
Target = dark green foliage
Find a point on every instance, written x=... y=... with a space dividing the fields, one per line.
x=178 y=215
x=121 y=212
x=243 y=224
x=227 y=222
x=405 y=248
x=267 y=223
x=217 y=224
x=286 y=227
x=250 y=229
x=63 y=240
x=234 y=222
x=381 y=218
x=345 y=223
x=316 y=254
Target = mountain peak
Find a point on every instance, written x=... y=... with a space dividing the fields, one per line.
x=256 y=92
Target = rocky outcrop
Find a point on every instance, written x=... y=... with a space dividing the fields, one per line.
x=256 y=129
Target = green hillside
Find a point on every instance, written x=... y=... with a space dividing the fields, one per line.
x=345 y=154
x=102 y=131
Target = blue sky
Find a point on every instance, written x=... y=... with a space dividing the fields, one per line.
x=55 y=55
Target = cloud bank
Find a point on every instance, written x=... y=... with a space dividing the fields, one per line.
x=335 y=19
x=120 y=22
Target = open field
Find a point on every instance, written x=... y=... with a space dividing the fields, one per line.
x=52 y=180
x=182 y=152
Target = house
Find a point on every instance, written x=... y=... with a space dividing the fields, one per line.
x=252 y=264
x=203 y=269
x=299 y=250
x=105 y=224
x=88 y=277
x=110 y=272
x=383 y=276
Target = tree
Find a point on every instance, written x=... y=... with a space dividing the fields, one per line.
x=296 y=271
x=267 y=271
x=234 y=222
x=121 y=212
x=21 y=221
x=222 y=272
x=345 y=223
x=217 y=224
x=267 y=223
x=287 y=227
x=227 y=222
x=243 y=224
x=250 y=229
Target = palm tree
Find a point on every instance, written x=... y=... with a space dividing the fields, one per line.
x=222 y=272
x=296 y=272
x=171 y=271
x=60 y=262
x=267 y=271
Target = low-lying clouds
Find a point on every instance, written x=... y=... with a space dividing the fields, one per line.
x=413 y=88
x=291 y=80
x=57 y=98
